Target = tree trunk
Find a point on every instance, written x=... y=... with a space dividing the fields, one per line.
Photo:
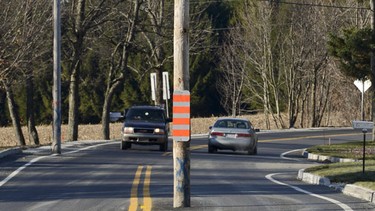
x=313 y=104
x=107 y=106
x=75 y=72
x=14 y=115
x=372 y=5
x=73 y=106
x=33 y=133
x=113 y=84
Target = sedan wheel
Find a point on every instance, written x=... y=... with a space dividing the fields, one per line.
x=253 y=151
x=211 y=149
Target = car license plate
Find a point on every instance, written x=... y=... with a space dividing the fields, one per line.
x=231 y=136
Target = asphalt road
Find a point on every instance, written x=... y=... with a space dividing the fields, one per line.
x=100 y=176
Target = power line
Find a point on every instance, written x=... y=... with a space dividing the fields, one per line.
x=290 y=3
x=322 y=5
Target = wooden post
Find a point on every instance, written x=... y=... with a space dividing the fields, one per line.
x=372 y=5
x=181 y=149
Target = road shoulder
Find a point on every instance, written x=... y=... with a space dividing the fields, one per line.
x=347 y=189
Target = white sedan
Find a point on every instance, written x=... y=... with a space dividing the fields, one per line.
x=233 y=134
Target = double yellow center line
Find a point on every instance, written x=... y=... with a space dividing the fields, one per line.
x=147 y=202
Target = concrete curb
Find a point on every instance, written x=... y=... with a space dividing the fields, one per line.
x=324 y=158
x=347 y=189
x=312 y=179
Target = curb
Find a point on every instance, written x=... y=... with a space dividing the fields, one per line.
x=347 y=189
x=324 y=158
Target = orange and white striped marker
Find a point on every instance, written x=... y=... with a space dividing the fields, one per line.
x=181 y=115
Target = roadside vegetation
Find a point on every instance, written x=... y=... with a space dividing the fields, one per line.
x=296 y=60
x=351 y=172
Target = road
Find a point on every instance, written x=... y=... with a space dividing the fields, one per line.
x=100 y=176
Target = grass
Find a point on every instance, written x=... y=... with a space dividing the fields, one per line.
x=348 y=173
x=346 y=150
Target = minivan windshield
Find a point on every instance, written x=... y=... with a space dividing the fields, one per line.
x=147 y=115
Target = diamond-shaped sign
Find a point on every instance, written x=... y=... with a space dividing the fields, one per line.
x=362 y=86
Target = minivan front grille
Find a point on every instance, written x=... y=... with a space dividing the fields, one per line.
x=140 y=130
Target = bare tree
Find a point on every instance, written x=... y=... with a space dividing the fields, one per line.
x=233 y=69
x=158 y=36
x=258 y=38
x=23 y=29
x=81 y=17
x=121 y=38
x=288 y=65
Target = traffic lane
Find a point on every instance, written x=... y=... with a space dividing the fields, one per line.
x=329 y=195
x=163 y=170
x=237 y=181
x=297 y=139
x=278 y=143
x=325 y=136
x=91 y=179
x=262 y=165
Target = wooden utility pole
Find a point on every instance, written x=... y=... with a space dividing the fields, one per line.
x=56 y=142
x=372 y=4
x=181 y=149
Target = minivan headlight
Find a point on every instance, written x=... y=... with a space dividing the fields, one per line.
x=128 y=130
x=159 y=131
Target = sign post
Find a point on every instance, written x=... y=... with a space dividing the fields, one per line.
x=364 y=125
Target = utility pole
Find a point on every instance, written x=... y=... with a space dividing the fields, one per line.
x=56 y=142
x=372 y=5
x=181 y=149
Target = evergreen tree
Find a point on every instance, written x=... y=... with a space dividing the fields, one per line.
x=353 y=49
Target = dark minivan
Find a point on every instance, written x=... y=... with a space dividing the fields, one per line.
x=147 y=125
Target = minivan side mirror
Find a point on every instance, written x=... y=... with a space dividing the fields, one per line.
x=115 y=116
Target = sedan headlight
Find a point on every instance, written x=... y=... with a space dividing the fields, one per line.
x=159 y=131
x=128 y=130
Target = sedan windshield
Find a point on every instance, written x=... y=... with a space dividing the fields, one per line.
x=232 y=124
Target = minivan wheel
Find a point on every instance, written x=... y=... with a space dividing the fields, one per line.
x=125 y=145
x=164 y=147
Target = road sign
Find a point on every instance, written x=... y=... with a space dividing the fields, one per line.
x=363 y=86
x=363 y=125
x=181 y=115
x=166 y=93
x=153 y=86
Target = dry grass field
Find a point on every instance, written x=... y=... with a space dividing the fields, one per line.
x=93 y=132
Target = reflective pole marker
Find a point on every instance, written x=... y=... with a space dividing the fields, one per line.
x=181 y=115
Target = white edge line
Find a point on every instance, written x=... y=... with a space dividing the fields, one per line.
x=338 y=203
x=285 y=153
x=14 y=173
